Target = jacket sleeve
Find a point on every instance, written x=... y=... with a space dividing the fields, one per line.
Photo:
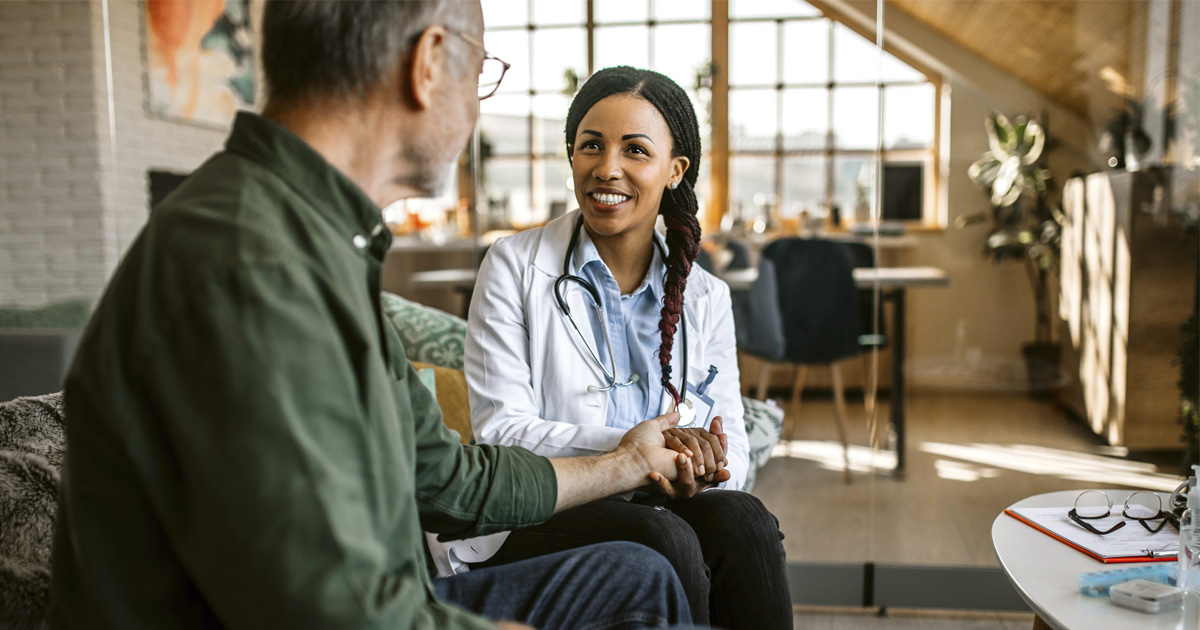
x=726 y=390
x=255 y=466
x=498 y=370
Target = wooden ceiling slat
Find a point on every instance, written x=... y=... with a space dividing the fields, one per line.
x=1057 y=46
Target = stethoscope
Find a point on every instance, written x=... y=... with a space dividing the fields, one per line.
x=684 y=405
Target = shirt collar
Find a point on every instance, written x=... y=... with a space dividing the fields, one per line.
x=586 y=254
x=331 y=193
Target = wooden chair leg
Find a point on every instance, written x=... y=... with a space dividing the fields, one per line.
x=870 y=389
x=764 y=373
x=793 y=412
x=839 y=404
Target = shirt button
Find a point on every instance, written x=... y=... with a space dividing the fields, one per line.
x=361 y=241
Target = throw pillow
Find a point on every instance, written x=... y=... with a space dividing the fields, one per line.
x=32 y=443
x=451 y=392
x=764 y=424
x=429 y=335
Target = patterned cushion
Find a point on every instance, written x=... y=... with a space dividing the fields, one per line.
x=32 y=442
x=764 y=424
x=429 y=335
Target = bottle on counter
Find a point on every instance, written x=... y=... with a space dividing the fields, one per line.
x=1188 y=577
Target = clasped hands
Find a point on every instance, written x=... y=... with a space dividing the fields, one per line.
x=683 y=462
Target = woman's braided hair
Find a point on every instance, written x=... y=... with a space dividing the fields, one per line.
x=678 y=207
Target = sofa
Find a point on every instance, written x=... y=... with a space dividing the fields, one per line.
x=36 y=346
x=33 y=442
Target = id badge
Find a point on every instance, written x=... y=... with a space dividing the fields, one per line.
x=701 y=409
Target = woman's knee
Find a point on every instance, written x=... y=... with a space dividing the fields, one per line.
x=671 y=536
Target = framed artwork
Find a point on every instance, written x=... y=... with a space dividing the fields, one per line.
x=199 y=59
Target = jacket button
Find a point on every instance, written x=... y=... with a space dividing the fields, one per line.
x=361 y=241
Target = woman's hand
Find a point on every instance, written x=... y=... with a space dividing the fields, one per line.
x=706 y=449
x=687 y=485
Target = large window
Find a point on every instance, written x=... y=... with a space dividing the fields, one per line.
x=804 y=121
x=802 y=101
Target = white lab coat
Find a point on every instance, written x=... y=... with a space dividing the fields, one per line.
x=528 y=371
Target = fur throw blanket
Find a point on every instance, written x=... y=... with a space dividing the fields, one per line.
x=32 y=443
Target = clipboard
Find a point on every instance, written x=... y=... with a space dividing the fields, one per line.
x=1131 y=547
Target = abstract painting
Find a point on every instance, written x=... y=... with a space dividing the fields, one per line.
x=200 y=59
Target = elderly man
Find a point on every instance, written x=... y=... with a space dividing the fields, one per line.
x=247 y=445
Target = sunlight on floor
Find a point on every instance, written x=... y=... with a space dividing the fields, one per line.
x=1039 y=460
x=972 y=462
x=829 y=455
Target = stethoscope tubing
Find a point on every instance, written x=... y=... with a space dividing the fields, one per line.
x=595 y=295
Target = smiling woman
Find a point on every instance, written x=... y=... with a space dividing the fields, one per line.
x=571 y=342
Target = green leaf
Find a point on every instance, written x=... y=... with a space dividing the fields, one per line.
x=984 y=170
x=1035 y=138
x=1000 y=135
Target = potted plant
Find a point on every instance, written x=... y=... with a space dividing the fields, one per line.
x=1023 y=226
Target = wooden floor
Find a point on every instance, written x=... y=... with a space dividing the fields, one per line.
x=969 y=457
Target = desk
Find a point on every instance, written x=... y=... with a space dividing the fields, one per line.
x=892 y=282
x=1045 y=573
x=460 y=280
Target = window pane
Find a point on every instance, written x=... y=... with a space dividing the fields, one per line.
x=678 y=53
x=770 y=8
x=682 y=10
x=752 y=120
x=559 y=12
x=854 y=57
x=507 y=185
x=513 y=47
x=550 y=112
x=855 y=118
x=609 y=11
x=504 y=123
x=556 y=196
x=806 y=51
x=622 y=46
x=896 y=70
x=803 y=187
x=805 y=119
x=908 y=117
x=505 y=13
x=554 y=51
x=854 y=186
x=752 y=53
x=752 y=190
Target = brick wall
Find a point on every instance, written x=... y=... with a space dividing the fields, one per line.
x=51 y=208
x=73 y=195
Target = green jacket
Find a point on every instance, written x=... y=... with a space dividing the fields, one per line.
x=246 y=444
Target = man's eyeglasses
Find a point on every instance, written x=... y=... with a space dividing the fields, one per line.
x=493 y=69
x=1141 y=506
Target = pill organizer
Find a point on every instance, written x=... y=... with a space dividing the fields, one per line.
x=1098 y=583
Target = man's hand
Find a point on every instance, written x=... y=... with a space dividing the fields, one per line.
x=640 y=459
x=647 y=444
x=512 y=625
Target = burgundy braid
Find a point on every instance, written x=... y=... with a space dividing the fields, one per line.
x=678 y=207
x=683 y=243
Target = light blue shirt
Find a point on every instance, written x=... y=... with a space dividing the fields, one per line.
x=632 y=322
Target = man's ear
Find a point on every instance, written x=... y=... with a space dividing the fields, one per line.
x=428 y=65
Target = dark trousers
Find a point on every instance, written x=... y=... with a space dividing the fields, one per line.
x=724 y=544
x=617 y=586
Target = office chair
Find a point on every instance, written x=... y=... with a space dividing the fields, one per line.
x=802 y=310
x=871 y=322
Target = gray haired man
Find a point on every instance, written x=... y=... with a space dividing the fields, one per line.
x=247 y=445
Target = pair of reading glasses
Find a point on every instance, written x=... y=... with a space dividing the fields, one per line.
x=493 y=69
x=1142 y=506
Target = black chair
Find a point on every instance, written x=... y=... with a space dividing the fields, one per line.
x=816 y=305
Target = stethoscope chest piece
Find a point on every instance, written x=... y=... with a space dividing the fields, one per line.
x=687 y=414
